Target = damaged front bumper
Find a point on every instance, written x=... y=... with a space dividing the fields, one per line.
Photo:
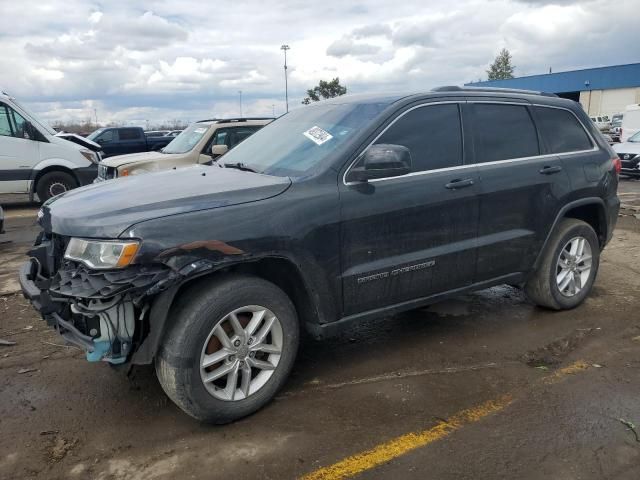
x=102 y=312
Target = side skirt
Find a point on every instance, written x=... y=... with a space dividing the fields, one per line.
x=327 y=330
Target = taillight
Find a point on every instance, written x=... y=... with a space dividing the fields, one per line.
x=617 y=164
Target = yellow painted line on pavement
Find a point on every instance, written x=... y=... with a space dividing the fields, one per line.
x=385 y=452
x=394 y=448
x=572 y=369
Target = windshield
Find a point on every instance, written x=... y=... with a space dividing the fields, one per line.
x=35 y=118
x=303 y=138
x=187 y=139
x=635 y=138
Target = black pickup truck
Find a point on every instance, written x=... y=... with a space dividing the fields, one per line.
x=123 y=140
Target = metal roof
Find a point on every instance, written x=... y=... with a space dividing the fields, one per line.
x=601 y=78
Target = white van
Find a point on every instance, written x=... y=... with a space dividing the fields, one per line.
x=34 y=159
x=630 y=122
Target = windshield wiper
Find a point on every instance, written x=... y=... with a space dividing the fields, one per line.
x=240 y=166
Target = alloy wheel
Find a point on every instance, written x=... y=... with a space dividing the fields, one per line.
x=574 y=266
x=241 y=353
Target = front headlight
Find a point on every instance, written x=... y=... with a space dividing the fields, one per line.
x=102 y=254
x=89 y=155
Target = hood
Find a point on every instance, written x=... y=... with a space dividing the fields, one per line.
x=82 y=141
x=104 y=210
x=627 y=147
x=120 y=160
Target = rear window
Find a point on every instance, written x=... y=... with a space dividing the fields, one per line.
x=503 y=132
x=561 y=130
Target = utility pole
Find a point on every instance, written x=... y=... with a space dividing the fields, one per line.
x=95 y=112
x=284 y=48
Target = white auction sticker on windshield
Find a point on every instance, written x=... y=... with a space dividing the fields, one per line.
x=318 y=135
x=200 y=130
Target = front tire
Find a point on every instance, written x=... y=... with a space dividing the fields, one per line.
x=230 y=348
x=54 y=183
x=568 y=268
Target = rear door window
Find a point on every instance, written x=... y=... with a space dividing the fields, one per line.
x=503 y=132
x=433 y=135
x=561 y=130
x=129 y=133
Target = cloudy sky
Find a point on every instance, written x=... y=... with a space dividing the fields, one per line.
x=186 y=59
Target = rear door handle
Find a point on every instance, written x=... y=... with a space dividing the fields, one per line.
x=548 y=170
x=459 y=183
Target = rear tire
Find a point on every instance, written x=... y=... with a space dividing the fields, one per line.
x=201 y=315
x=561 y=280
x=54 y=183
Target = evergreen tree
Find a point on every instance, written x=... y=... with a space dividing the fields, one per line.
x=501 y=67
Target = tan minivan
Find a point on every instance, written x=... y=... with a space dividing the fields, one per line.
x=200 y=143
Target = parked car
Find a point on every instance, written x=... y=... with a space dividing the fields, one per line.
x=331 y=215
x=155 y=133
x=630 y=122
x=602 y=122
x=201 y=143
x=629 y=153
x=36 y=159
x=173 y=133
x=122 y=140
x=616 y=126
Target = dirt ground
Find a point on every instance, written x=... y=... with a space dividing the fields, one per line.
x=490 y=386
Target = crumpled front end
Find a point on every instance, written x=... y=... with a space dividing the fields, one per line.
x=101 y=311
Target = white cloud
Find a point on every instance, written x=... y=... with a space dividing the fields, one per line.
x=167 y=59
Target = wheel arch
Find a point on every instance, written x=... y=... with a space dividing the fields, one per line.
x=38 y=174
x=281 y=271
x=590 y=210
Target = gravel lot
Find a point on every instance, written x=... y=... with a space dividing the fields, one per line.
x=490 y=386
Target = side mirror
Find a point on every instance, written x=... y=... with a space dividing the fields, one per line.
x=218 y=150
x=382 y=161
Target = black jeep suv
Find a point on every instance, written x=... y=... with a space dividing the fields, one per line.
x=353 y=208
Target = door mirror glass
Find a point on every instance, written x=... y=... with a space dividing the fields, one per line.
x=382 y=161
x=218 y=150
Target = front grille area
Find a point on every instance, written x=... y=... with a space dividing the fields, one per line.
x=75 y=280
x=627 y=156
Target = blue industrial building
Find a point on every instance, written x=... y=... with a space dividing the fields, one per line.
x=601 y=90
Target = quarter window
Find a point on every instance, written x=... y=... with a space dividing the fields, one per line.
x=561 y=130
x=503 y=132
x=432 y=134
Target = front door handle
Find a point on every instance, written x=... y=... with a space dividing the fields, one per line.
x=459 y=183
x=548 y=170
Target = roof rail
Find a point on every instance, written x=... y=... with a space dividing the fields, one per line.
x=455 y=88
x=234 y=119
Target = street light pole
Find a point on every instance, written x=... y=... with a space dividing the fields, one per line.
x=284 y=48
x=240 y=92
